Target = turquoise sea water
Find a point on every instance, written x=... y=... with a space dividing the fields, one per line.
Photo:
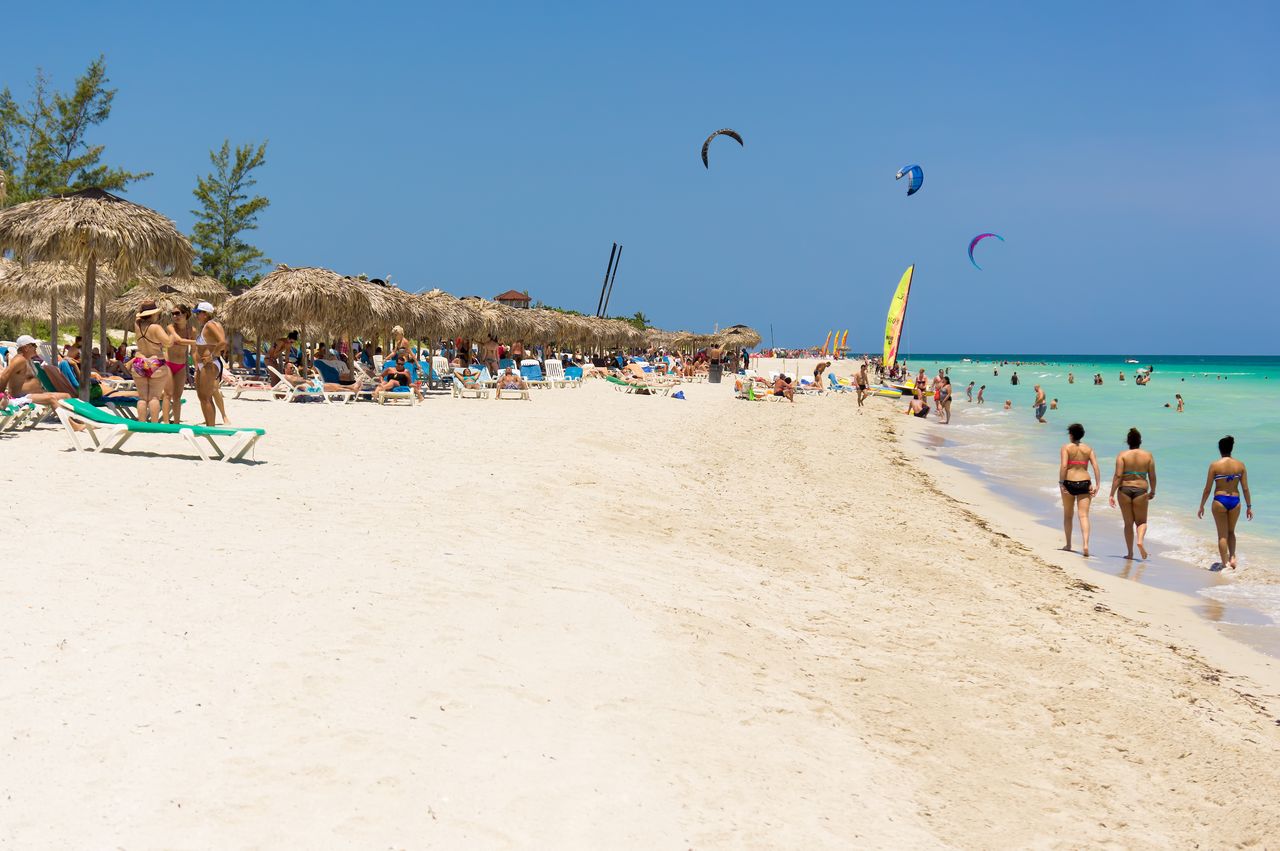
x=1018 y=457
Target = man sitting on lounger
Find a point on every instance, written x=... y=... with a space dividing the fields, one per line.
x=511 y=380
x=782 y=387
x=19 y=380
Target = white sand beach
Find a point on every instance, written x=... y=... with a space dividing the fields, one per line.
x=593 y=620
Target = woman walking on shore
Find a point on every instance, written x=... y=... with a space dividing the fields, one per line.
x=1134 y=486
x=1227 y=479
x=1077 y=488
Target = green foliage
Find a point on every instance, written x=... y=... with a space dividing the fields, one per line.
x=638 y=319
x=227 y=212
x=44 y=148
x=545 y=306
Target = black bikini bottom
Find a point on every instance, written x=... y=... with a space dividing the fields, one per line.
x=1078 y=488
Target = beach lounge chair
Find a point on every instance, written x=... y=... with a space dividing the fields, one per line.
x=834 y=384
x=441 y=372
x=105 y=432
x=397 y=396
x=467 y=385
x=330 y=375
x=556 y=376
x=242 y=385
x=505 y=364
x=23 y=417
x=125 y=406
x=531 y=372
x=313 y=390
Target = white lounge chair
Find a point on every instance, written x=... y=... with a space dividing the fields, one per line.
x=313 y=388
x=100 y=431
x=556 y=376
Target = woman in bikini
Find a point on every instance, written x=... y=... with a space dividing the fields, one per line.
x=177 y=360
x=150 y=367
x=1227 y=479
x=1077 y=488
x=1132 y=487
x=210 y=342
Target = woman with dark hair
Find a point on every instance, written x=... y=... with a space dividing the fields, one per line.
x=1135 y=484
x=1078 y=490
x=180 y=326
x=1227 y=479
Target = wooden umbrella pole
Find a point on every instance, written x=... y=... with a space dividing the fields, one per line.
x=53 y=328
x=102 y=328
x=86 y=325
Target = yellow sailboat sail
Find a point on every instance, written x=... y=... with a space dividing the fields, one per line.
x=897 y=316
x=826 y=343
x=844 y=341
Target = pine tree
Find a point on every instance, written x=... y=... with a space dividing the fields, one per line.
x=227 y=212
x=43 y=143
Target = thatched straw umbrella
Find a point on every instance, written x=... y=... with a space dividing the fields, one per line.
x=455 y=317
x=91 y=227
x=18 y=303
x=166 y=293
x=57 y=285
x=738 y=337
x=305 y=297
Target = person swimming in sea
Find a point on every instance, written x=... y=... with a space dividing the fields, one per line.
x=1227 y=479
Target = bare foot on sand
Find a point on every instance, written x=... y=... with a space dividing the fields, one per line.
x=1142 y=549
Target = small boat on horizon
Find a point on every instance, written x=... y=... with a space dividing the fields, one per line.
x=1131 y=360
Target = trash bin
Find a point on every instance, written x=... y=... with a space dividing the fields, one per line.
x=714 y=371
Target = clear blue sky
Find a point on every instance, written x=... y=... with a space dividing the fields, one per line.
x=1127 y=153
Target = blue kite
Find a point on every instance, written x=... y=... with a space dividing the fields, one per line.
x=917 y=178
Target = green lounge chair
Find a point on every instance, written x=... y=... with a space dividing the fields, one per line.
x=108 y=432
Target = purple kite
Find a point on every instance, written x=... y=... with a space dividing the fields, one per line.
x=975 y=241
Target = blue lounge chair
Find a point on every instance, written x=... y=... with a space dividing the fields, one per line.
x=531 y=372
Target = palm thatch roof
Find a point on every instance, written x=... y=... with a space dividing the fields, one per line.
x=93 y=226
x=290 y=298
x=166 y=293
x=506 y=323
x=454 y=318
x=738 y=337
x=16 y=303
x=42 y=280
